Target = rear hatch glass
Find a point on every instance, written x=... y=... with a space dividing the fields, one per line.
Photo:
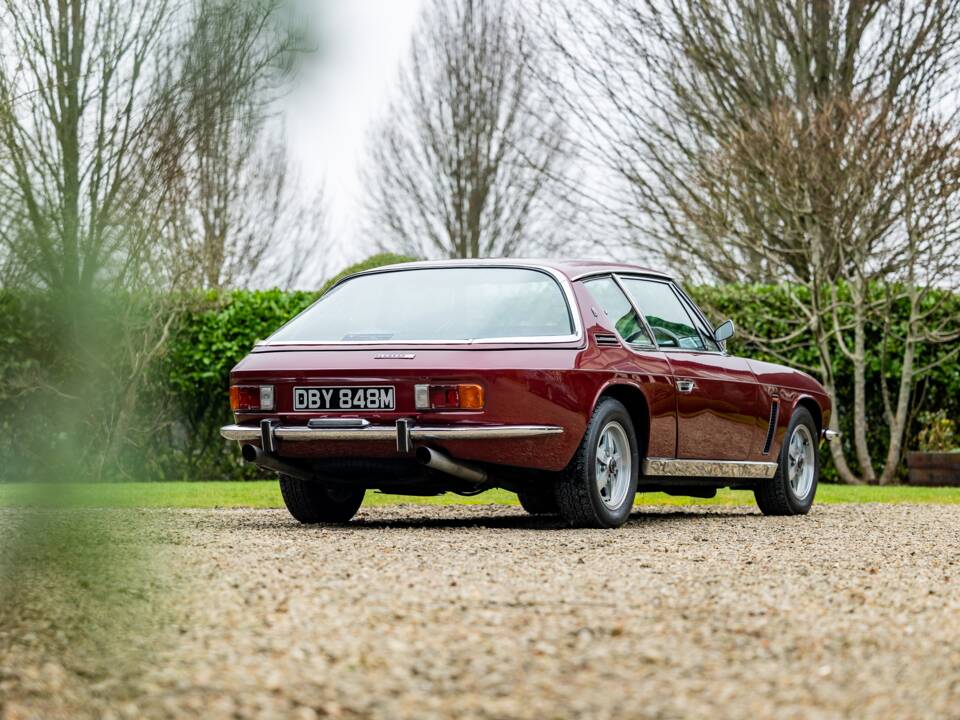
x=466 y=304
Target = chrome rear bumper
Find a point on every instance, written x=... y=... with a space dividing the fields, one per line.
x=302 y=433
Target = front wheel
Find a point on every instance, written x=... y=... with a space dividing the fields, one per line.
x=597 y=489
x=792 y=489
x=313 y=502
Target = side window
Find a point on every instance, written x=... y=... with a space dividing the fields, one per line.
x=665 y=314
x=614 y=303
x=704 y=329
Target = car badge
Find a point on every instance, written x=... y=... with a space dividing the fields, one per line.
x=394 y=356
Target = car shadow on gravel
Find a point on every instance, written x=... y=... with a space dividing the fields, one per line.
x=637 y=521
x=507 y=519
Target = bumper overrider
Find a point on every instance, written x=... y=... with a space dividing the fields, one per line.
x=404 y=432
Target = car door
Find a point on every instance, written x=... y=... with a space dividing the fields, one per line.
x=717 y=394
x=641 y=361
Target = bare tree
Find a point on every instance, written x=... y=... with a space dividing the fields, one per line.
x=98 y=111
x=465 y=162
x=79 y=109
x=811 y=143
x=236 y=211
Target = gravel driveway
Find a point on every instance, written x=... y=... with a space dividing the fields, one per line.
x=430 y=612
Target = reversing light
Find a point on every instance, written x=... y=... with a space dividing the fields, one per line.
x=251 y=398
x=463 y=396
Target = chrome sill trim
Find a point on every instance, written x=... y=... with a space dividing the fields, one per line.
x=669 y=467
x=295 y=433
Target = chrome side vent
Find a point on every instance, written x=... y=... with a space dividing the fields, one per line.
x=772 y=427
x=606 y=340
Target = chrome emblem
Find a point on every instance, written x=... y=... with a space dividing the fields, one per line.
x=394 y=356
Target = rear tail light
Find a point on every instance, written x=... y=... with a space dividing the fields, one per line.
x=448 y=397
x=251 y=398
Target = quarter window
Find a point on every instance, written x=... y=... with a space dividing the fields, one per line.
x=618 y=308
x=666 y=315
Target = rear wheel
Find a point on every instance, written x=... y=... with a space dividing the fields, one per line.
x=539 y=500
x=597 y=489
x=313 y=502
x=792 y=489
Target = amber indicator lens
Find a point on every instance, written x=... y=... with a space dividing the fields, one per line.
x=471 y=397
x=448 y=397
x=251 y=398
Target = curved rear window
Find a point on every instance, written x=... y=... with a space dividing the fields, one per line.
x=436 y=304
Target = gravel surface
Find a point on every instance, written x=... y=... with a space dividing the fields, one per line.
x=435 y=612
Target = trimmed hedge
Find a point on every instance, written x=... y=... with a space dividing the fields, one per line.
x=217 y=332
x=183 y=400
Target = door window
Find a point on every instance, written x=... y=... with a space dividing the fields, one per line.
x=617 y=307
x=705 y=331
x=665 y=314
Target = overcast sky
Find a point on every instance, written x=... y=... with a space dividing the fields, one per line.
x=341 y=93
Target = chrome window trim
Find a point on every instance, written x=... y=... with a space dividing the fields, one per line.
x=634 y=273
x=636 y=309
x=636 y=347
x=690 y=350
x=566 y=287
x=681 y=296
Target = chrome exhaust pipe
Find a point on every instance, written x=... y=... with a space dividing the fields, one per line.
x=253 y=454
x=446 y=464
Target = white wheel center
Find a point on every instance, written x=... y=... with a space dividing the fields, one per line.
x=614 y=465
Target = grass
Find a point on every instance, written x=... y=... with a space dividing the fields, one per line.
x=266 y=494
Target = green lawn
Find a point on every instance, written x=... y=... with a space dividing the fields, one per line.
x=266 y=494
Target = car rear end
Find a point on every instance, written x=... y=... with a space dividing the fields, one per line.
x=470 y=362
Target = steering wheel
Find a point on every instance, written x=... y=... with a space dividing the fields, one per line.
x=640 y=333
x=671 y=335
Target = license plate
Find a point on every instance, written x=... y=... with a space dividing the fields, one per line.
x=340 y=397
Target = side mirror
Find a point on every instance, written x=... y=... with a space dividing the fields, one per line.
x=724 y=332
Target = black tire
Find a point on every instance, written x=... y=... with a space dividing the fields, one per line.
x=777 y=496
x=578 y=497
x=540 y=500
x=313 y=502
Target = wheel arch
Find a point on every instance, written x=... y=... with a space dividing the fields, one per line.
x=635 y=401
x=807 y=402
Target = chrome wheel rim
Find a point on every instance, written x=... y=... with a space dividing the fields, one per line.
x=614 y=465
x=801 y=461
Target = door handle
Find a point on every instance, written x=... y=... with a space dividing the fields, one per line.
x=686 y=386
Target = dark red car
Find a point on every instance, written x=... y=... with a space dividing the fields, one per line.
x=574 y=384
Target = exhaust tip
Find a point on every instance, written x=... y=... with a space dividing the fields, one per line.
x=249 y=452
x=423 y=455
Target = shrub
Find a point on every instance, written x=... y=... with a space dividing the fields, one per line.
x=216 y=332
x=938 y=433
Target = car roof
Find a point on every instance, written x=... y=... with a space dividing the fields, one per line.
x=573 y=269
